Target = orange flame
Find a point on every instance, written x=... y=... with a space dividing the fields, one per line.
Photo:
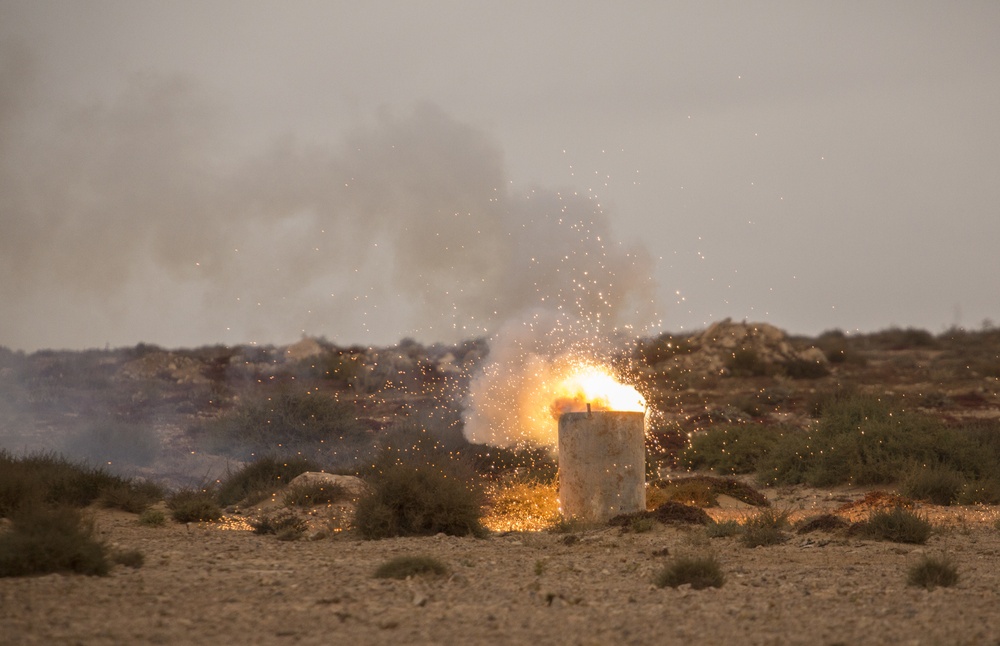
x=594 y=385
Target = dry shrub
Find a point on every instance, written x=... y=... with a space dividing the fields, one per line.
x=932 y=572
x=898 y=525
x=47 y=539
x=418 y=500
x=699 y=572
x=193 y=505
x=765 y=528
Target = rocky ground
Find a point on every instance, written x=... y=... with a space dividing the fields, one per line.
x=210 y=583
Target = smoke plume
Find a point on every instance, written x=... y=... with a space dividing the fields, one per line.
x=127 y=221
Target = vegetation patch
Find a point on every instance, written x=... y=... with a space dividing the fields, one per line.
x=723 y=529
x=937 y=485
x=404 y=567
x=898 y=524
x=133 y=497
x=418 y=500
x=699 y=572
x=47 y=478
x=932 y=572
x=765 y=528
x=256 y=480
x=193 y=506
x=152 y=518
x=47 y=539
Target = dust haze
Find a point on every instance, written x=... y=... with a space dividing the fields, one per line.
x=135 y=215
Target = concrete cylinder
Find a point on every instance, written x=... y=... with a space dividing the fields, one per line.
x=602 y=464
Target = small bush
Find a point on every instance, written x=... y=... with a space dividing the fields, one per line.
x=980 y=492
x=940 y=486
x=47 y=478
x=403 y=567
x=932 y=572
x=418 y=500
x=47 y=539
x=730 y=448
x=716 y=529
x=258 y=479
x=805 y=369
x=133 y=497
x=765 y=528
x=193 y=505
x=152 y=518
x=699 y=572
x=286 y=525
x=897 y=524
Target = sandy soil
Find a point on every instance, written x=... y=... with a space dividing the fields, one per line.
x=205 y=585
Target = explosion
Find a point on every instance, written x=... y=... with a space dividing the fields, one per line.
x=594 y=386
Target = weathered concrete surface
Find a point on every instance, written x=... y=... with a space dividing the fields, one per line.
x=602 y=464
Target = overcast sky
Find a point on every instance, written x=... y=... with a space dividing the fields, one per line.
x=189 y=173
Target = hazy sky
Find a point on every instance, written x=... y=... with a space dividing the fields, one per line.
x=187 y=173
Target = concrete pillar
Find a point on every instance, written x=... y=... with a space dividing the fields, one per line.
x=602 y=464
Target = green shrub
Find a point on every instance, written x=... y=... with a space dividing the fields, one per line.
x=133 y=497
x=717 y=529
x=931 y=572
x=805 y=369
x=152 y=518
x=44 y=539
x=699 y=572
x=940 y=486
x=765 y=528
x=46 y=478
x=980 y=492
x=256 y=480
x=193 y=505
x=897 y=524
x=403 y=567
x=730 y=449
x=418 y=500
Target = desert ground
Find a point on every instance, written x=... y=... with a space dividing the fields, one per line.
x=204 y=584
x=212 y=582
